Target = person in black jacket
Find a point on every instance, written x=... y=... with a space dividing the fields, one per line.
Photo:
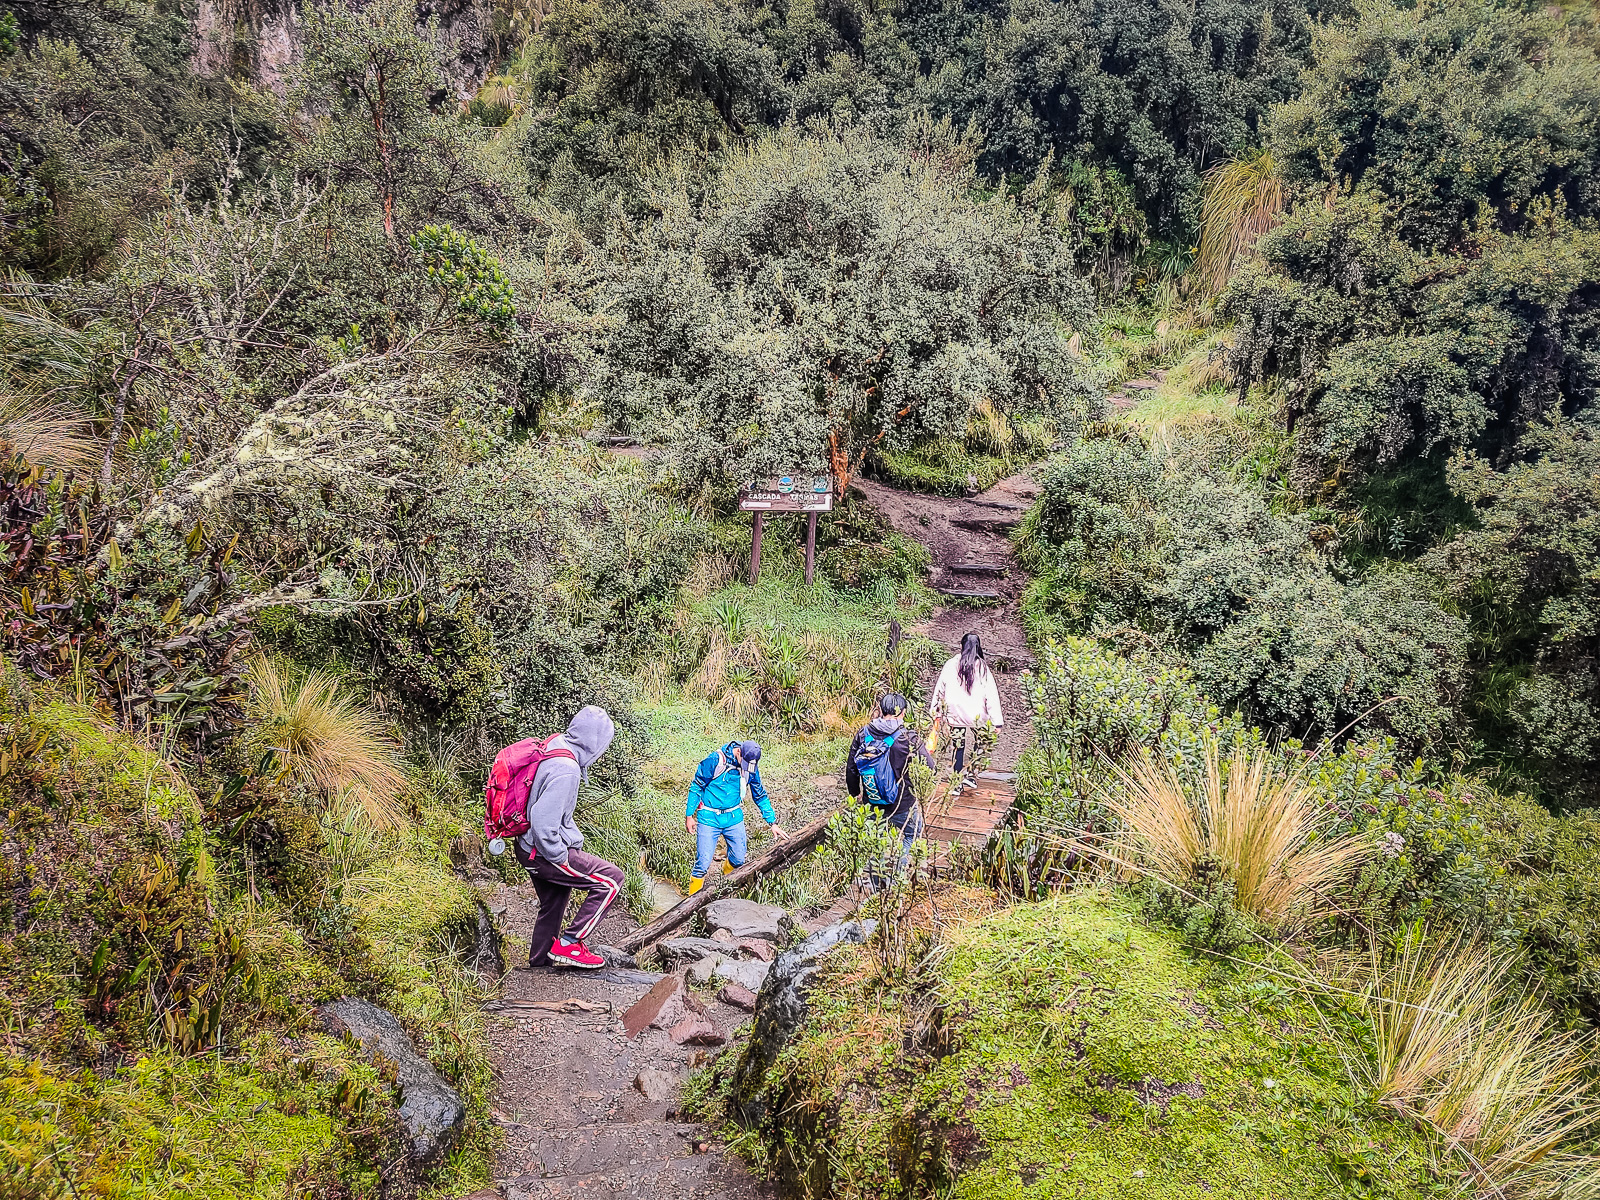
x=906 y=813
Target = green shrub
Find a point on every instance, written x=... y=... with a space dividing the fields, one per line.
x=1433 y=855
x=1552 y=868
x=1135 y=543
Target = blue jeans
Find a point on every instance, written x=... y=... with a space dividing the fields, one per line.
x=705 y=845
x=907 y=819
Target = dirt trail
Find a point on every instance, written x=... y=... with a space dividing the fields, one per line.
x=969 y=533
x=575 y=1125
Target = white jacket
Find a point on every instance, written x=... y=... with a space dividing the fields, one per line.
x=964 y=709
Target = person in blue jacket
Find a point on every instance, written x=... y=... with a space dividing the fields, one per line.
x=716 y=806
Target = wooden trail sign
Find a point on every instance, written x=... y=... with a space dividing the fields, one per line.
x=809 y=494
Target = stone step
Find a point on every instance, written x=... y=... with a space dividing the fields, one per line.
x=1003 y=505
x=968 y=593
x=978 y=568
x=999 y=523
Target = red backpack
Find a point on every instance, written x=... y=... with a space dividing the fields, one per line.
x=506 y=797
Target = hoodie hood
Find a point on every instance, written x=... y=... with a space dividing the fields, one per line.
x=589 y=734
x=886 y=725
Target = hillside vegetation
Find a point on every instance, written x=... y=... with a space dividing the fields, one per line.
x=376 y=390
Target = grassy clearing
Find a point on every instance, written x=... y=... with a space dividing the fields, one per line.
x=1195 y=396
x=796 y=668
x=994 y=446
x=1136 y=335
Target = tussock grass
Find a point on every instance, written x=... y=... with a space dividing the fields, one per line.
x=1263 y=829
x=1457 y=1047
x=327 y=741
x=53 y=436
x=1244 y=199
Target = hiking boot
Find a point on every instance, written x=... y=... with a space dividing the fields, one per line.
x=696 y=883
x=574 y=954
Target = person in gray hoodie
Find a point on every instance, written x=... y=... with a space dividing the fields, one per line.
x=552 y=849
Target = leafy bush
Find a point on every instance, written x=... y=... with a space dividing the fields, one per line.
x=1528 y=579
x=824 y=292
x=571 y=560
x=1435 y=854
x=1431 y=283
x=1129 y=542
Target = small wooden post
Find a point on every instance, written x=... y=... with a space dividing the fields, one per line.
x=811 y=544
x=755 y=546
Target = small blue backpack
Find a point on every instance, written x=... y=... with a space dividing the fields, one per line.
x=878 y=784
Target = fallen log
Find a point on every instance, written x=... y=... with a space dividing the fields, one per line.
x=781 y=855
x=555 y=1006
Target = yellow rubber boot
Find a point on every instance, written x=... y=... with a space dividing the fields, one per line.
x=727 y=867
x=695 y=884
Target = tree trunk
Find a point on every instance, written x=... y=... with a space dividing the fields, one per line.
x=780 y=856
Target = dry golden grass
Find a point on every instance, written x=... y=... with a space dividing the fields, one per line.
x=52 y=436
x=1458 y=1047
x=329 y=742
x=1262 y=828
x=1244 y=199
x=988 y=428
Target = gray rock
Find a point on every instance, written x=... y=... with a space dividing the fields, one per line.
x=748 y=973
x=677 y=952
x=626 y=976
x=430 y=1108
x=701 y=973
x=655 y=1084
x=616 y=958
x=780 y=1011
x=747 y=919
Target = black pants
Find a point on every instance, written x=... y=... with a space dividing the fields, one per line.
x=554 y=884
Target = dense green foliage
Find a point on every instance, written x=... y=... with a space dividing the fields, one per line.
x=331 y=374
x=1452 y=850
x=1137 y=544
x=1130 y=103
x=826 y=291
x=1432 y=291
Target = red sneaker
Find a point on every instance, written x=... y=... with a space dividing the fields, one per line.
x=575 y=954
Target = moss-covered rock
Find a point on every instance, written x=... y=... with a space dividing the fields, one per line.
x=1068 y=1048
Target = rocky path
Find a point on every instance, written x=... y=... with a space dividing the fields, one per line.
x=973 y=567
x=587 y=1110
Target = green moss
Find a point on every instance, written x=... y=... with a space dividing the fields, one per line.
x=421 y=921
x=1083 y=1054
x=164 y=1127
x=121 y=775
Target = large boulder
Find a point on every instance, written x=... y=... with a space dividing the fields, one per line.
x=430 y=1109
x=781 y=1009
x=747 y=919
x=680 y=952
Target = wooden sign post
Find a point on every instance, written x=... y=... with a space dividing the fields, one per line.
x=809 y=494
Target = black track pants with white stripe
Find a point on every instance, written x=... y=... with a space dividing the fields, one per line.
x=555 y=883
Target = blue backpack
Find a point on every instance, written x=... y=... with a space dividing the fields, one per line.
x=878 y=784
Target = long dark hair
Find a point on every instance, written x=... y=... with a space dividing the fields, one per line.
x=971 y=656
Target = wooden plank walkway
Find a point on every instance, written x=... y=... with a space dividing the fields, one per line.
x=966 y=819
